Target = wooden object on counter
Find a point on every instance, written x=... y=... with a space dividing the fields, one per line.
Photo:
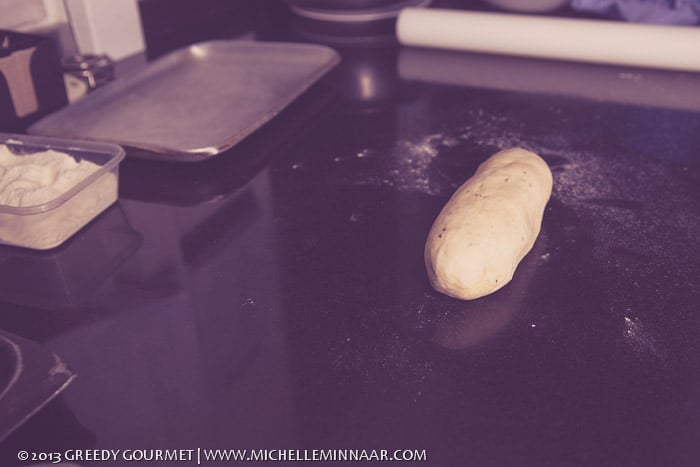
x=31 y=79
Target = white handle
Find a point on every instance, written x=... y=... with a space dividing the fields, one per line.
x=656 y=46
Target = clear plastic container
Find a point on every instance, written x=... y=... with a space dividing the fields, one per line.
x=49 y=224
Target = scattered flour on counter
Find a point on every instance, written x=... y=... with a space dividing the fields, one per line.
x=622 y=197
x=641 y=218
x=405 y=167
x=410 y=163
x=364 y=153
x=411 y=159
x=33 y=179
x=491 y=130
x=638 y=338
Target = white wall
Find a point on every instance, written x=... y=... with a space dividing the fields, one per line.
x=106 y=26
x=99 y=26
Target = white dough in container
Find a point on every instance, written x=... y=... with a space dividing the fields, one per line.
x=51 y=188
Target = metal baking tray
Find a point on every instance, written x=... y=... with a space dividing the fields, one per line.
x=195 y=102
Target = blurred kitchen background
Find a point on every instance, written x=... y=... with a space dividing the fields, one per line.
x=123 y=28
x=127 y=27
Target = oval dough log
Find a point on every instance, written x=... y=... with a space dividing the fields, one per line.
x=489 y=225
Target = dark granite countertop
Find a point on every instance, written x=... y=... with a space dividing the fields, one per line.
x=276 y=298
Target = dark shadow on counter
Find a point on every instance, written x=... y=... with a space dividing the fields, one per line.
x=66 y=276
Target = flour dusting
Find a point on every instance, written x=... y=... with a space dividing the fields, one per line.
x=406 y=166
x=639 y=338
x=631 y=222
x=410 y=164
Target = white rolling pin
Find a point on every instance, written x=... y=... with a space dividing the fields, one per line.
x=645 y=45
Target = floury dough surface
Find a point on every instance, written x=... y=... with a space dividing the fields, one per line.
x=34 y=179
x=488 y=225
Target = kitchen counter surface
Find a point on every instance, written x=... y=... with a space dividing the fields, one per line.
x=276 y=298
